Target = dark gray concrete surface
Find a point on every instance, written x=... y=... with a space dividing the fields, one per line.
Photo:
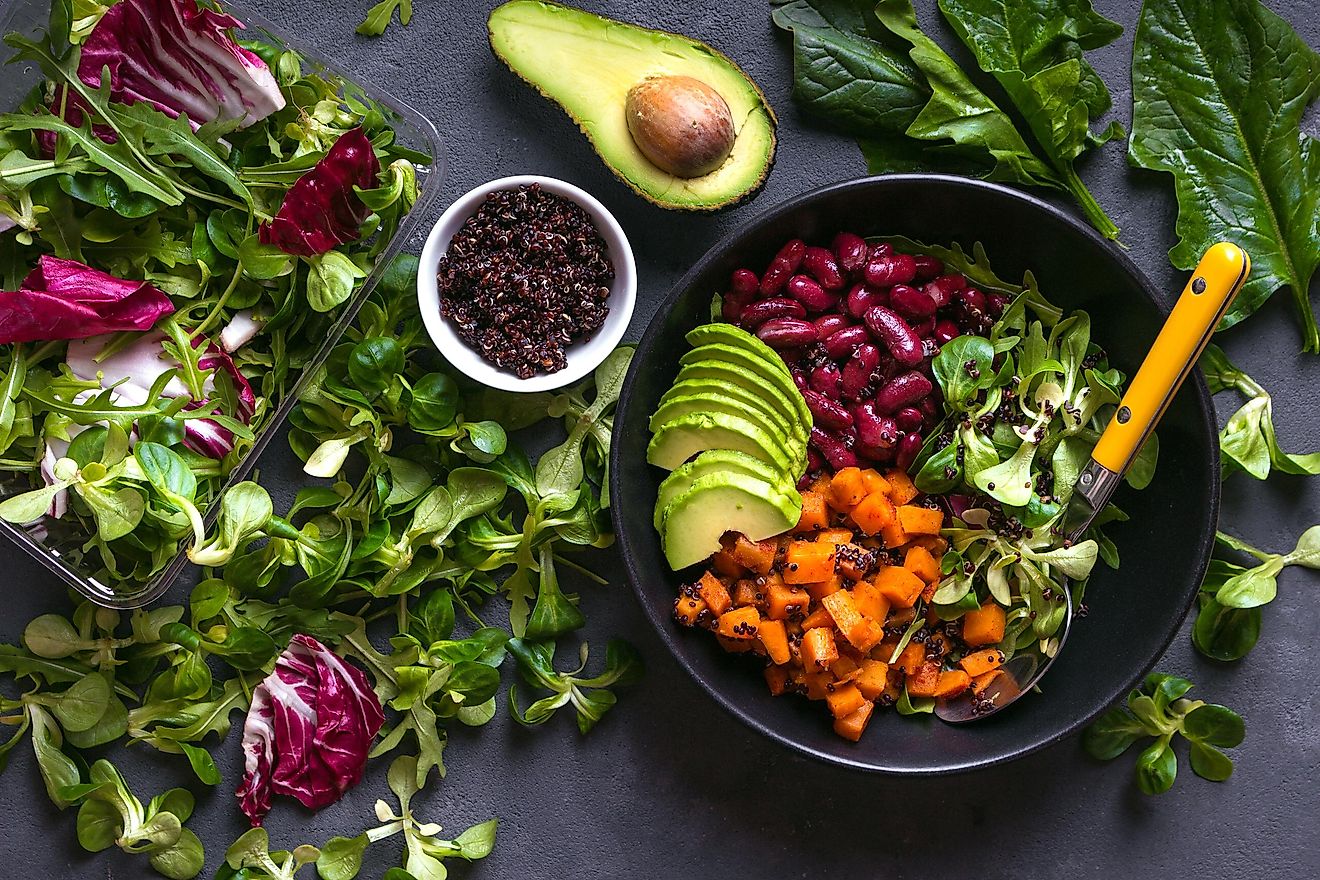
x=669 y=785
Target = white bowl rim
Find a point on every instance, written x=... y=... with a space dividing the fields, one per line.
x=583 y=357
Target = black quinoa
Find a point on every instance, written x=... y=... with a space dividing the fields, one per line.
x=525 y=277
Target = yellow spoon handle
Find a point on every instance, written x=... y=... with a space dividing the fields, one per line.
x=1205 y=299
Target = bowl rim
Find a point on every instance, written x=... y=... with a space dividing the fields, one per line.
x=662 y=623
x=583 y=357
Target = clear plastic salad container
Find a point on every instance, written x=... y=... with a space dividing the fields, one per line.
x=412 y=130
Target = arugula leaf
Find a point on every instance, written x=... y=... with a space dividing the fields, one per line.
x=380 y=16
x=1219 y=92
x=1034 y=49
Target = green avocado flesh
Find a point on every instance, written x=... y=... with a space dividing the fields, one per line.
x=731 y=376
x=587 y=64
x=751 y=396
x=694 y=521
x=718 y=403
x=714 y=461
x=678 y=440
x=773 y=374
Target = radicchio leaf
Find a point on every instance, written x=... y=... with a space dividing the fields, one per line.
x=321 y=210
x=63 y=299
x=179 y=58
x=308 y=731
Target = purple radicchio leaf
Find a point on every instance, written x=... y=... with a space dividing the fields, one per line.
x=63 y=299
x=308 y=731
x=179 y=58
x=321 y=210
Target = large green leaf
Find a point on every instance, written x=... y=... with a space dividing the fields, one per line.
x=1034 y=49
x=1219 y=93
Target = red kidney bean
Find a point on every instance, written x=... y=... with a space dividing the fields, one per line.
x=972 y=298
x=806 y=291
x=827 y=379
x=873 y=429
x=883 y=271
x=785 y=263
x=842 y=343
x=851 y=251
x=822 y=266
x=744 y=281
x=928 y=267
x=733 y=304
x=909 y=418
x=787 y=332
x=910 y=302
x=831 y=446
x=814 y=460
x=880 y=249
x=757 y=313
x=831 y=323
x=946 y=331
x=908 y=450
x=943 y=288
x=930 y=409
x=996 y=302
x=888 y=327
x=826 y=412
x=804 y=482
x=800 y=378
x=925 y=328
x=861 y=298
x=903 y=390
x=877 y=454
x=859 y=369
x=791 y=356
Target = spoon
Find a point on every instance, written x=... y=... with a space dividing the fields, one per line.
x=1204 y=301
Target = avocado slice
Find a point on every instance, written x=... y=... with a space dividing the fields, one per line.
x=728 y=501
x=713 y=461
x=679 y=406
x=676 y=441
x=748 y=391
x=733 y=375
x=588 y=64
x=721 y=333
x=771 y=373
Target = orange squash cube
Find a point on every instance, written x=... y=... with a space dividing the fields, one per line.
x=820 y=590
x=845 y=668
x=712 y=589
x=872 y=482
x=925 y=681
x=951 y=683
x=815 y=513
x=980 y=662
x=911 y=658
x=834 y=536
x=984 y=680
x=872 y=677
x=901 y=587
x=901 y=488
x=816 y=684
x=985 y=625
x=745 y=592
x=740 y=623
x=920 y=562
x=808 y=562
x=776 y=678
x=756 y=556
x=818 y=648
x=873 y=513
x=688 y=609
x=774 y=636
x=818 y=618
x=920 y=520
x=736 y=646
x=851 y=727
x=784 y=602
x=844 y=700
x=870 y=601
x=846 y=489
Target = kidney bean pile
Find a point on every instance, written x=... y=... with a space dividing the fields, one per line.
x=858 y=325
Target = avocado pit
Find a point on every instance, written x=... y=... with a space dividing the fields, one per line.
x=681 y=124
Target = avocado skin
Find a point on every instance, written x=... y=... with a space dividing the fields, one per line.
x=738 y=194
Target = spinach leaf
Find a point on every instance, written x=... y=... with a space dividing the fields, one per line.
x=1219 y=92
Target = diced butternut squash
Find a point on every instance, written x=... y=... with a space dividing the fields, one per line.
x=740 y=623
x=818 y=618
x=893 y=535
x=824 y=588
x=872 y=678
x=901 y=587
x=776 y=678
x=688 y=609
x=873 y=513
x=784 y=602
x=934 y=544
x=985 y=625
x=853 y=562
x=756 y=556
x=815 y=513
x=900 y=617
x=873 y=482
x=841 y=608
x=870 y=601
x=844 y=700
x=911 y=658
x=851 y=727
x=846 y=489
x=834 y=536
x=980 y=662
x=745 y=592
x=726 y=566
x=951 y=683
x=901 y=487
x=717 y=598
x=774 y=636
x=984 y=680
x=925 y=681
x=818 y=648
x=808 y=562
x=920 y=520
x=920 y=562
x=816 y=684
x=866 y=634
x=736 y=646
x=845 y=668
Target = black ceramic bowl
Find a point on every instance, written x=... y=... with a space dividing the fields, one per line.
x=1164 y=548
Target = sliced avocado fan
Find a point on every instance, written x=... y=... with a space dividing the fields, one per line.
x=693 y=522
x=588 y=65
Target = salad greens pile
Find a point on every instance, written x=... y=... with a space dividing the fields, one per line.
x=126 y=437
x=868 y=69
x=1160 y=709
x=1024 y=408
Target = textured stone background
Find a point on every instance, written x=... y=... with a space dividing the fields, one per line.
x=671 y=786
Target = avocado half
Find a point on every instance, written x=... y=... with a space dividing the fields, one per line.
x=587 y=64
